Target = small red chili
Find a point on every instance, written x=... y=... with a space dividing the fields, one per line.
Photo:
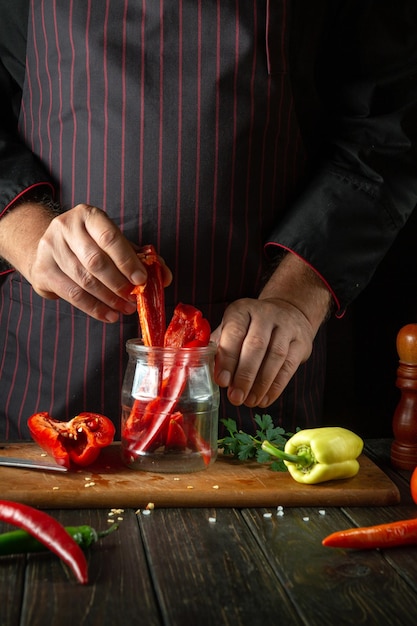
x=390 y=535
x=49 y=532
x=413 y=485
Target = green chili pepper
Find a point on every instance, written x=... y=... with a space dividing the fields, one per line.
x=19 y=541
x=317 y=455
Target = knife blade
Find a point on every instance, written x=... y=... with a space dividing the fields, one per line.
x=11 y=461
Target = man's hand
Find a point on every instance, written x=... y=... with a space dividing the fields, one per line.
x=80 y=256
x=261 y=342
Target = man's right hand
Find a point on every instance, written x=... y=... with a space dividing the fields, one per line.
x=80 y=256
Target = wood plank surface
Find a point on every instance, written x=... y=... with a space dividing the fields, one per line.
x=217 y=565
x=212 y=573
x=38 y=590
x=227 y=483
x=334 y=586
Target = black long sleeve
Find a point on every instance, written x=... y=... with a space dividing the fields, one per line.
x=364 y=187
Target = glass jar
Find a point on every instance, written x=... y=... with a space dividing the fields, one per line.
x=170 y=406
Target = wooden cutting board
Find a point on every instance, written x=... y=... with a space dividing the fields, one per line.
x=226 y=483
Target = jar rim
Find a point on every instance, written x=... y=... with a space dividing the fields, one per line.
x=137 y=345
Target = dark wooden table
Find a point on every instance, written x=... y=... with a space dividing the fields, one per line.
x=178 y=567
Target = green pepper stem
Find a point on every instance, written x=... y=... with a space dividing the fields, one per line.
x=110 y=529
x=303 y=459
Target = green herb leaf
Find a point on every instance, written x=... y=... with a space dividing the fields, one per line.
x=230 y=425
x=245 y=447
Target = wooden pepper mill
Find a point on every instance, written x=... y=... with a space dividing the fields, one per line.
x=404 y=446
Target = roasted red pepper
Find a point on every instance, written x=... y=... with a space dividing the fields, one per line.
x=147 y=428
x=187 y=328
x=156 y=423
x=196 y=442
x=49 y=532
x=150 y=299
x=77 y=442
x=176 y=438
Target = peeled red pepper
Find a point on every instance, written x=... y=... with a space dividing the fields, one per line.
x=78 y=441
x=151 y=425
x=401 y=533
x=182 y=434
x=150 y=299
x=49 y=532
x=153 y=419
x=176 y=438
x=196 y=442
x=152 y=422
x=187 y=328
x=316 y=455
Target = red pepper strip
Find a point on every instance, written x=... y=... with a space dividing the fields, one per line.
x=389 y=535
x=48 y=531
x=78 y=441
x=159 y=410
x=197 y=443
x=176 y=438
x=156 y=415
x=150 y=299
x=150 y=302
x=187 y=328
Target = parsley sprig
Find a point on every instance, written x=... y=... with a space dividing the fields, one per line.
x=244 y=447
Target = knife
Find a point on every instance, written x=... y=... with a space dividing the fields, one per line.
x=29 y=464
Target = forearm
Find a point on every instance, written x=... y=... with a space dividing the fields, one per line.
x=295 y=282
x=22 y=175
x=21 y=228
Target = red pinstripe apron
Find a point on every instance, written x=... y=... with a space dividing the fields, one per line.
x=177 y=119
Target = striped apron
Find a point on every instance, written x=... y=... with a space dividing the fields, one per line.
x=177 y=119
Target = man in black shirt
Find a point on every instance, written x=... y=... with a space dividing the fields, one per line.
x=216 y=133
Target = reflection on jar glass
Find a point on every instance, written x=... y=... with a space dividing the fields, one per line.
x=170 y=407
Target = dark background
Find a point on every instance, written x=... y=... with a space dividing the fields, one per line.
x=362 y=357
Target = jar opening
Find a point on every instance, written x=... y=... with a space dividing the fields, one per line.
x=136 y=346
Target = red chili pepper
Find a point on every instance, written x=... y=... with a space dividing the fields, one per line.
x=401 y=533
x=49 y=532
x=78 y=441
x=150 y=299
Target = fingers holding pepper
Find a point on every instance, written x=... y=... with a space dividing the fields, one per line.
x=84 y=258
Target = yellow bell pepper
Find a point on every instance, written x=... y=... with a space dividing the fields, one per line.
x=317 y=455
